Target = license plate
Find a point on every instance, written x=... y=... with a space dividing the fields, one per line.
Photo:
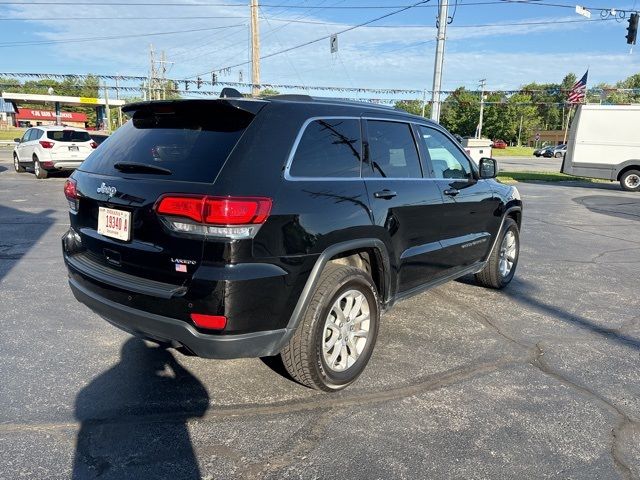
x=73 y=148
x=114 y=223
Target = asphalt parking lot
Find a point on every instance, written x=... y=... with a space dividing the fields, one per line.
x=529 y=164
x=541 y=380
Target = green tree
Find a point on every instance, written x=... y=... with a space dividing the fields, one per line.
x=460 y=112
x=268 y=92
x=503 y=117
x=413 y=106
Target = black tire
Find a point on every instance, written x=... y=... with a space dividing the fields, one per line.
x=40 y=172
x=491 y=275
x=16 y=164
x=303 y=356
x=558 y=154
x=630 y=181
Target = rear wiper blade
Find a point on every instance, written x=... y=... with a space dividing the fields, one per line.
x=136 y=167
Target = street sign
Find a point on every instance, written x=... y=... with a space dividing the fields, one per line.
x=537 y=136
x=583 y=11
x=333 y=42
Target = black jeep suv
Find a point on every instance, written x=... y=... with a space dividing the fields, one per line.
x=243 y=228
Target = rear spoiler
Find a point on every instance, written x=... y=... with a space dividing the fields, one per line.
x=166 y=106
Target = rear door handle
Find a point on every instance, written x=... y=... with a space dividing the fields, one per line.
x=452 y=192
x=385 y=194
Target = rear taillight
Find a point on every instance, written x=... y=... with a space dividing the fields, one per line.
x=71 y=192
x=229 y=217
x=46 y=144
x=93 y=144
x=211 y=322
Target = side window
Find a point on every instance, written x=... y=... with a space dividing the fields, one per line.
x=328 y=148
x=35 y=134
x=446 y=159
x=25 y=137
x=392 y=151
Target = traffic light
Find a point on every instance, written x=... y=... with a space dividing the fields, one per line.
x=632 y=29
x=214 y=78
x=186 y=85
x=199 y=83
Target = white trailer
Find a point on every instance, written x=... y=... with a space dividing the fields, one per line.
x=477 y=148
x=604 y=142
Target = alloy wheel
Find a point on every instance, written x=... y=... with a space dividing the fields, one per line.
x=346 y=330
x=508 y=253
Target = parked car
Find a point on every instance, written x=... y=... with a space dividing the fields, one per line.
x=247 y=228
x=501 y=144
x=50 y=148
x=540 y=151
x=604 y=143
x=557 y=151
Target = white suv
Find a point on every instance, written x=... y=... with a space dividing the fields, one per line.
x=49 y=148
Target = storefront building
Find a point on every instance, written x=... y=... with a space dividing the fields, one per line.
x=7 y=114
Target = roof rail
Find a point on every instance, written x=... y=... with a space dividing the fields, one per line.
x=294 y=97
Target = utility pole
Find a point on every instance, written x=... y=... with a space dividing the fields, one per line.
x=437 y=68
x=107 y=123
x=164 y=74
x=152 y=72
x=255 y=49
x=483 y=82
x=118 y=98
x=520 y=130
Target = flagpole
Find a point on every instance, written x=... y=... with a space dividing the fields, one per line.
x=566 y=130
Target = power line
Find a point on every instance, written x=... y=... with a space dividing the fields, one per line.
x=84 y=19
x=310 y=7
x=395 y=12
x=379 y=91
x=112 y=37
x=550 y=21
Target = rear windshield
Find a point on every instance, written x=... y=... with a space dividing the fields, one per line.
x=189 y=144
x=68 y=136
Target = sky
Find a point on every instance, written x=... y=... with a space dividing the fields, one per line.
x=508 y=44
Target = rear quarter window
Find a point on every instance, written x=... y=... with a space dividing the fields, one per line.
x=328 y=148
x=68 y=136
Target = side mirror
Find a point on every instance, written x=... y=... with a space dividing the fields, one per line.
x=17 y=140
x=488 y=168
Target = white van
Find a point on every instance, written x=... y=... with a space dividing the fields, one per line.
x=604 y=142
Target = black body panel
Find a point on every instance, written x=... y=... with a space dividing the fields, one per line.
x=418 y=237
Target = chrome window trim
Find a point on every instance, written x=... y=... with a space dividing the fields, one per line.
x=294 y=148
x=296 y=143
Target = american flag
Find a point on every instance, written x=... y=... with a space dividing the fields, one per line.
x=579 y=90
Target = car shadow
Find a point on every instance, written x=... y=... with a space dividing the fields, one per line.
x=3 y=168
x=133 y=418
x=517 y=291
x=276 y=364
x=19 y=232
x=625 y=207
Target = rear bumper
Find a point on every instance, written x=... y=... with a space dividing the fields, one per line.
x=66 y=164
x=179 y=333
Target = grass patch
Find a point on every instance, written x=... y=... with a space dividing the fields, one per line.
x=512 y=152
x=543 y=177
x=11 y=134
